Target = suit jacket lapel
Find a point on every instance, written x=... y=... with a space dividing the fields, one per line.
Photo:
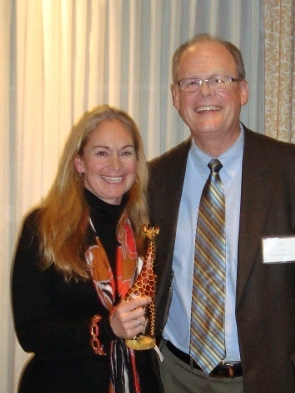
x=255 y=199
x=165 y=191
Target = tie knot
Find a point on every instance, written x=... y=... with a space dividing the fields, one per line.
x=215 y=165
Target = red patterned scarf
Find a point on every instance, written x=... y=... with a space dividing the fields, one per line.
x=124 y=377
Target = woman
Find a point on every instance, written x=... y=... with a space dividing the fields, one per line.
x=76 y=258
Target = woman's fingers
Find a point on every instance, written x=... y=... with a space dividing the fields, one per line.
x=128 y=318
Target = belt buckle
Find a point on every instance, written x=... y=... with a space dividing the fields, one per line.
x=231 y=372
x=228 y=369
x=231 y=368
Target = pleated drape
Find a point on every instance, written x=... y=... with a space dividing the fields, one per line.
x=279 y=23
x=61 y=57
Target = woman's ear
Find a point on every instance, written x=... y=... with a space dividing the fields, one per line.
x=79 y=164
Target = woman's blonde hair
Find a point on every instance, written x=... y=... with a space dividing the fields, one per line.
x=63 y=215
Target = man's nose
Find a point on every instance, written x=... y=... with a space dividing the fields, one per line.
x=205 y=89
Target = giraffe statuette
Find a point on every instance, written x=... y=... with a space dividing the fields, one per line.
x=145 y=285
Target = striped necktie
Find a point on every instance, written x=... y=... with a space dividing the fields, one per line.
x=207 y=346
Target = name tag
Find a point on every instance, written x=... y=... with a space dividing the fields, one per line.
x=278 y=249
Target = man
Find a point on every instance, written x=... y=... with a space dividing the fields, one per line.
x=258 y=178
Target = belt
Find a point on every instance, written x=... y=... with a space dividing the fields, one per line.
x=221 y=371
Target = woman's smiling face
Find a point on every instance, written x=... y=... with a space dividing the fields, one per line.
x=109 y=161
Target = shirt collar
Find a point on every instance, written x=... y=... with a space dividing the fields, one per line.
x=231 y=159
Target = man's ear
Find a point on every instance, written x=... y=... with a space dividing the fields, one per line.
x=244 y=89
x=175 y=95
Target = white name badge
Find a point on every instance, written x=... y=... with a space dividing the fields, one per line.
x=278 y=249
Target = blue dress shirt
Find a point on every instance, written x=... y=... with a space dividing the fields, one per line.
x=177 y=329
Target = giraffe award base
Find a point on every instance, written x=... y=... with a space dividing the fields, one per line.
x=140 y=343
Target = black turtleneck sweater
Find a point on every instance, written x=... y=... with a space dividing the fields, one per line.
x=105 y=218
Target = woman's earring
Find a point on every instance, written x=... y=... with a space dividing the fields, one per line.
x=81 y=177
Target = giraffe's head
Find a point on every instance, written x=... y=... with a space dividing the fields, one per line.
x=151 y=231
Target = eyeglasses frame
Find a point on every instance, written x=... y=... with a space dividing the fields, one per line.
x=231 y=79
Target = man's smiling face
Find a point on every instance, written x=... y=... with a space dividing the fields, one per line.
x=207 y=111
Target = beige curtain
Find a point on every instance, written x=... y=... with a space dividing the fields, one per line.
x=61 y=57
x=279 y=24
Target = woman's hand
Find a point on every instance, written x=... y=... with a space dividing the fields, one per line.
x=128 y=318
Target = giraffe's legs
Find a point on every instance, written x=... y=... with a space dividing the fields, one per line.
x=145 y=340
x=152 y=313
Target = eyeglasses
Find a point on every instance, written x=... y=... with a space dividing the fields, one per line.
x=216 y=83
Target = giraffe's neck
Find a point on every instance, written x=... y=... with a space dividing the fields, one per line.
x=148 y=261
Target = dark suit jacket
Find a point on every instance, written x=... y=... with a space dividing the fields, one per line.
x=265 y=305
